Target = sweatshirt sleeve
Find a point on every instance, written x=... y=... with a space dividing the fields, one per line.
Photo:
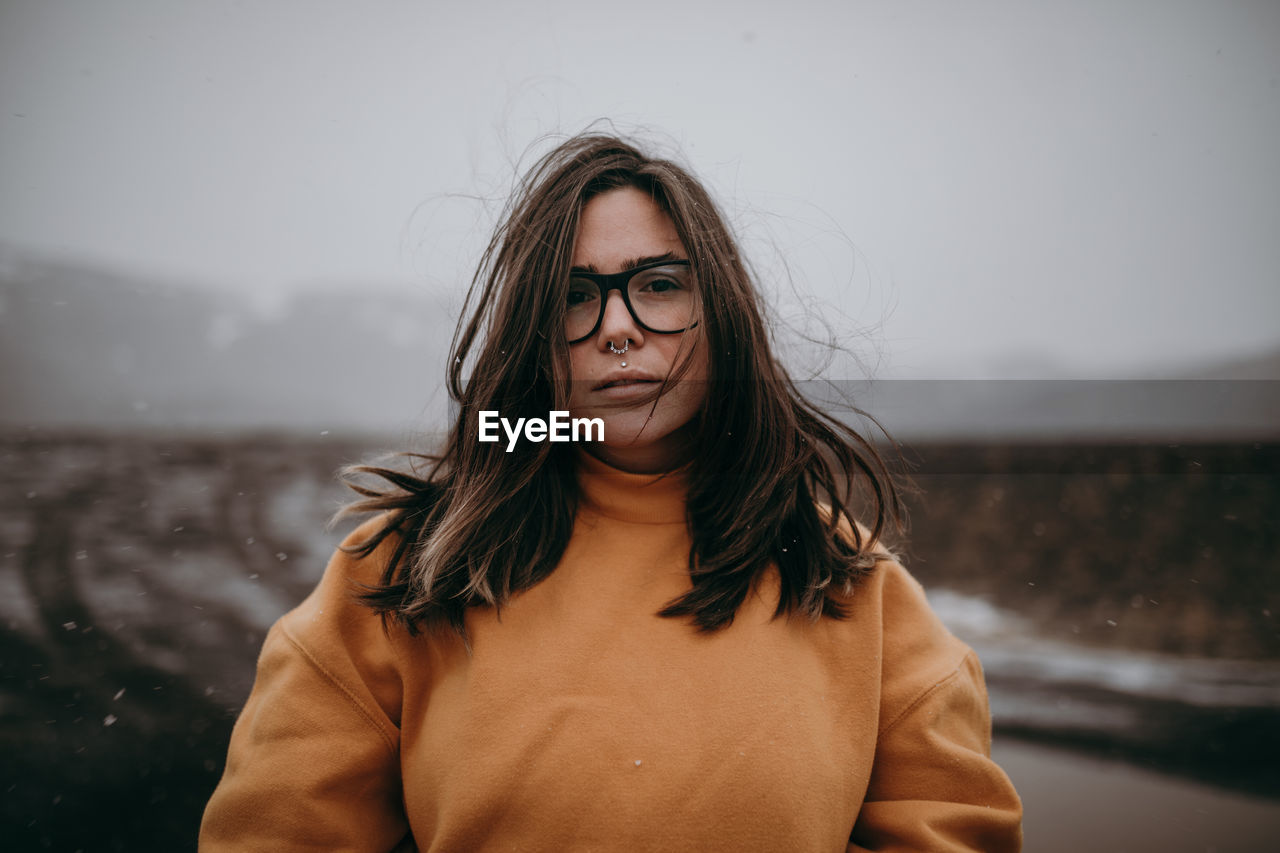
x=933 y=785
x=314 y=757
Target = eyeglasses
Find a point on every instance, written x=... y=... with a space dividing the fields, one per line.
x=660 y=297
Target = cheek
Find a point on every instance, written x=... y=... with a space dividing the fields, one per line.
x=691 y=398
x=575 y=361
x=689 y=395
x=695 y=375
x=678 y=349
x=577 y=372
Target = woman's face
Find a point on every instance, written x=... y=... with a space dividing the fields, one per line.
x=618 y=230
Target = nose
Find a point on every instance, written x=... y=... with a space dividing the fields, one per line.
x=618 y=325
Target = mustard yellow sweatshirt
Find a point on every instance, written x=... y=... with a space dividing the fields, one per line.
x=582 y=721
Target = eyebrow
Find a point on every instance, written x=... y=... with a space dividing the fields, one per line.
x=632 y=263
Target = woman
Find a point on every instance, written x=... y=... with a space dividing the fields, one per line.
x=668 y=639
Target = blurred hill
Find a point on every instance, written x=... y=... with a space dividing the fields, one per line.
x=84 y=349
x=1262 y=368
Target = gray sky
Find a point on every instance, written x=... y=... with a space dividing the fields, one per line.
x=989 y=188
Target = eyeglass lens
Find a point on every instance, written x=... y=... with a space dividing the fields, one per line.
x=661 y=298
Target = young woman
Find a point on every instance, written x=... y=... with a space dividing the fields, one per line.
x=670 y=638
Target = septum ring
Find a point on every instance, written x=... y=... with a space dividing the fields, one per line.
x=626 y=346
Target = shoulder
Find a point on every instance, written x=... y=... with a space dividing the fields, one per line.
x=891 y=596
x=350 y=572
x=338 y=633
x=916 y=651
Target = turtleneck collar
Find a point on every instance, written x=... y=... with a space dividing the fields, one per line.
x=639 y=498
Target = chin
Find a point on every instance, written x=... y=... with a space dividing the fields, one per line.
x=633 y=430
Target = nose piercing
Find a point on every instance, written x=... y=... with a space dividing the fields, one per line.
x=625 y=346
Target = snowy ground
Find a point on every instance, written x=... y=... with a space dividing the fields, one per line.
x=138 y=577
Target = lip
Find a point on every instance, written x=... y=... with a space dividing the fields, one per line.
x=637 y=383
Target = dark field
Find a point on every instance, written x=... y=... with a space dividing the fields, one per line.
x=1123 y=599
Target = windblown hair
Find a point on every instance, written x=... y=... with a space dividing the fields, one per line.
x=478 y=524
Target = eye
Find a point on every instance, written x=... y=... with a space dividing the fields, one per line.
x=663 y=281
x=662 y=285
x=580 y=293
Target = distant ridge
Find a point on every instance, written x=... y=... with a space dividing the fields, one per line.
x=1263 y=367
x=86 y=349
x=83 y=349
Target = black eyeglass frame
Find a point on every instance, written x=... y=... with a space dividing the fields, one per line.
x=618 y=281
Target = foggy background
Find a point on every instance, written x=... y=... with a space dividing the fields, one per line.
x=234 y=239
x=965 y=190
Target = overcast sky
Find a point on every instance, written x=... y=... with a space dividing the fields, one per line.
x=986 y=188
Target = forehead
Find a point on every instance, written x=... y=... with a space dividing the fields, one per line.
x=620 y=225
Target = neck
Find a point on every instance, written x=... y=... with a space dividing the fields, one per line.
x=671 y=452
x=631 y=496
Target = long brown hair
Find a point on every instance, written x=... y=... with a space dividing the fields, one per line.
x=479 y=524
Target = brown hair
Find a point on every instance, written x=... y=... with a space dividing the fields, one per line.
x=481 y=524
